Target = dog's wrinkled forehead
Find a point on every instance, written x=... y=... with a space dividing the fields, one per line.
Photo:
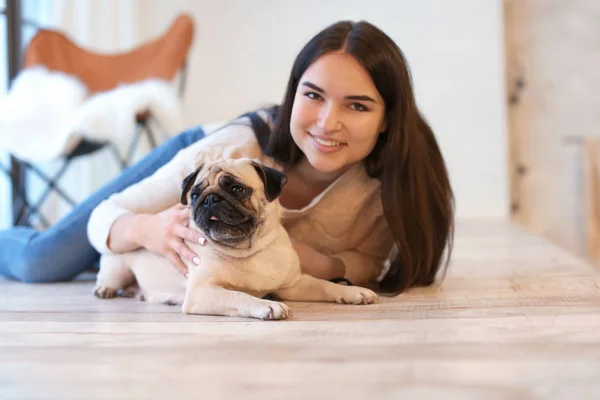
x=226 y=171
x=228 y=174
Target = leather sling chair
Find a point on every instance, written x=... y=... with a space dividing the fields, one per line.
x=160 y=58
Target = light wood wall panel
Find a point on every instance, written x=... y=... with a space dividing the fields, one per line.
x=553 y=88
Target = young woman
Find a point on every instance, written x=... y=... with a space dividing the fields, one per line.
x=365 y=177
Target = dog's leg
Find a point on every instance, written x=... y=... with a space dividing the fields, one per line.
x=170 y=299
x=132 y=291
x=113 y=276
x=215 y=300
x=312 y=289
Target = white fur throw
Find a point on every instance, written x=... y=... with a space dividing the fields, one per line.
x=46 y=113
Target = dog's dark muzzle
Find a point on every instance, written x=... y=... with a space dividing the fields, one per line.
x=211 y=199
x=224 y=221
x=216 y=208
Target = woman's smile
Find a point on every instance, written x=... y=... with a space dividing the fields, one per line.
x=325 y=145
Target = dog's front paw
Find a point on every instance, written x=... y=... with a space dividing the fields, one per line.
x=270 y=310
x=357 y=295
x=104 y=292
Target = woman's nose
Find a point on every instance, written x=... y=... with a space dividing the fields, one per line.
x=329 y=120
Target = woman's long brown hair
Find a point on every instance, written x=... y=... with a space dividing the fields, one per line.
x=417 y=197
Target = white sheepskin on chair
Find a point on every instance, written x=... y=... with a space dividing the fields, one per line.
x=46 y=113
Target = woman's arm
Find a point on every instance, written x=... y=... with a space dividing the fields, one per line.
x=163 y=233
x=129 y=219
x=147 y=215
x=316 y=264
x=122 y=234
x=361 y=265
x=113 y=226
x=365 y=263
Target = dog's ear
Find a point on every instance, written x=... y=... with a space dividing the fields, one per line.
x=187 y=183
x=273 y=180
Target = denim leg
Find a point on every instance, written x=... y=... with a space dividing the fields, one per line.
x=63 y=250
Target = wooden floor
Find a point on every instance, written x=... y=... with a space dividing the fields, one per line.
x=516 y=318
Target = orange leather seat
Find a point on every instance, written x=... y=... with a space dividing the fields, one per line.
x=159 y=58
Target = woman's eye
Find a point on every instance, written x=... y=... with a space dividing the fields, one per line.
x=194 y=197
x=313 y=96
x=238 y=190
x=358 y=107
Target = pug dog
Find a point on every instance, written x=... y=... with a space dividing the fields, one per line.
x=233 y=202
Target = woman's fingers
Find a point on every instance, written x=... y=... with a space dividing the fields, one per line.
x=188 y=234
x=182 y=233
x=183 y=214
x=184 y=251
x=177 y=263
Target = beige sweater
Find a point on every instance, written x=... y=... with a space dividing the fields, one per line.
x=345 y=221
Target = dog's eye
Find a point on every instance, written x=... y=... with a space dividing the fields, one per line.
x=237 y=190
x=194 y=197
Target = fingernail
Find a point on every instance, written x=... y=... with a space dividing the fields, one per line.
x=187 y=275
x=196 y=260
x=201 y=240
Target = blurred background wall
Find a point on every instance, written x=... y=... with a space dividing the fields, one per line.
x=553 y=84
x=243 y=52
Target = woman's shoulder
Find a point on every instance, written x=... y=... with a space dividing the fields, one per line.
x=233 y=139
x=240 y=131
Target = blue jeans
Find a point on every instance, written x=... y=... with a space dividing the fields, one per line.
x=63 y=250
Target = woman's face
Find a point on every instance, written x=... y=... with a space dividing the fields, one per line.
x=337 y=114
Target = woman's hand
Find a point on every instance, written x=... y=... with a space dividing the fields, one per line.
x=316 y=264
x=164 y=234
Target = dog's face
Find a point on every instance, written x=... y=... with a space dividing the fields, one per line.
x=229 y=198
